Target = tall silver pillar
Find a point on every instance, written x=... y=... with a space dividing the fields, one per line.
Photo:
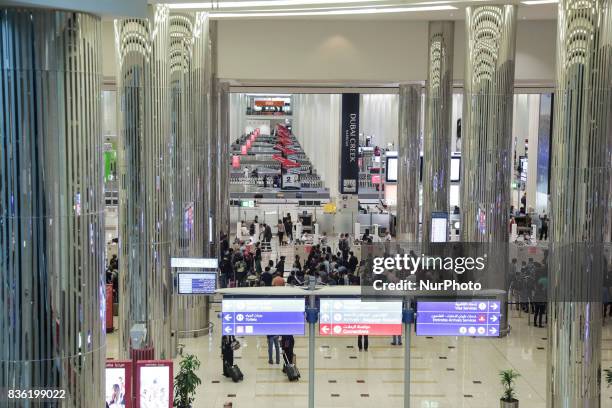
x=145 y=191
x=438 y=116
x=213 y=138
x=409 y=162
x=580 y=193
x=487 y=129
x=188 y=41
x=223 y=163
x=51 y=206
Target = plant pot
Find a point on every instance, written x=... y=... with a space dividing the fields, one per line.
x=508 y=404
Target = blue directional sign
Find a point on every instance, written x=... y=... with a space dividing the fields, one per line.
x=478 y=318
x=262 y=316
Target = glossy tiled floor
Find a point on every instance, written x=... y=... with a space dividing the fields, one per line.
x=447 y=372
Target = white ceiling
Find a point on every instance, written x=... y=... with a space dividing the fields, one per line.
x=234 y=7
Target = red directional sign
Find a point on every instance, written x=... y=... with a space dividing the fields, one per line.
x=352 y=317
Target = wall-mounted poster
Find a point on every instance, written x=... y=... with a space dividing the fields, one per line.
x=118 y=390
x=154 y=384
x=349 y=145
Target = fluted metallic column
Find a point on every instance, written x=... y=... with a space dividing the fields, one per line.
x=487 y=130
x=580 y=194
x=51 y=206
x=223 y=163
x=188 y=41
x=409 y=162
x=145 y=204
x=438 y=115
x=213 y=138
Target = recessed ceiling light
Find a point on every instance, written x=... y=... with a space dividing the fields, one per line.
x=332 y=12
x=536 y=2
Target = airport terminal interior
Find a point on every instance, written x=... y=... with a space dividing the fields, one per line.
x=306 y=203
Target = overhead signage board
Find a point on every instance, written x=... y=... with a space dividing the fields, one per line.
x=353 y=317
x=196 y=283
x=201 y=263
x=474 y=318
x=262 y=316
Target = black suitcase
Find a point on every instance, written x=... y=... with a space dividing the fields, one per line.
x=293 y=374
x=235 y=373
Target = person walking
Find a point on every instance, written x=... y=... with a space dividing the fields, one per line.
x=544 y=227
x=287 y=343
x=281 y=232
x=273 y=342
x=227 y=353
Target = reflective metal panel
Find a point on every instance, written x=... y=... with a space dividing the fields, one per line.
x=145 y=191
x=487 y=112
x=212 y=141
x=409 y=162
x=580 y=196
x=51 y=206
x=223 y=162
x=437 y=137
x=188 y=38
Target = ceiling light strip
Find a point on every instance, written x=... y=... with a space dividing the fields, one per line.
x=261 y=3
x=333 y=12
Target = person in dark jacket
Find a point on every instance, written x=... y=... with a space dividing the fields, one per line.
x=287 y=344
x=227 y=352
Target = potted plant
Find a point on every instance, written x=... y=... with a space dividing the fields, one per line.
x=186 y=381
x=608 y=372
x=508 y=398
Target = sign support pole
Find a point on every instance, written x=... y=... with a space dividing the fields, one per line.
x=311 y=317
x=407 y=318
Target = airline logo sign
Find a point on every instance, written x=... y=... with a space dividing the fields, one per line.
x=353 y=317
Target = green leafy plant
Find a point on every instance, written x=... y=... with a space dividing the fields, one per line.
x=507 y=378
x=186 y=381
x=608 y=372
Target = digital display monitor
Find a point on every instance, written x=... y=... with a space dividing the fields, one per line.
x=475 y=318
x=154 y=384
x=455 y=170
x=454 y=194
x=196 y=283
x=353 y=317
x=439 y=227
x=262 y=316
x=118 y=390
x=392 y=169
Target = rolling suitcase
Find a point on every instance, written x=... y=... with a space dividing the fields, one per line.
x=293 y=374
x=235 y=373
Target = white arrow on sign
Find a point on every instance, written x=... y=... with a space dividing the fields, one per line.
x=493 y=318
x=325 y=329
x=228 y=317
x=228 y=329
x=492 y=330
x=325 y=317
x=494 y=306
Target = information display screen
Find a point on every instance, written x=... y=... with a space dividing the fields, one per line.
x=118 y=391
x=478 y=318
x=391 y=174
x=197 y=283
x=439 y=227
x=352 y=317
x=455 y=170
x=262 y=316
x=154 y=384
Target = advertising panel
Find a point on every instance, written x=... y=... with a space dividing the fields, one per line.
x=352 y=317
x=349 y=153
x=154 y=381
x=118 y=390
x=262 y=316
x=478 y=318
